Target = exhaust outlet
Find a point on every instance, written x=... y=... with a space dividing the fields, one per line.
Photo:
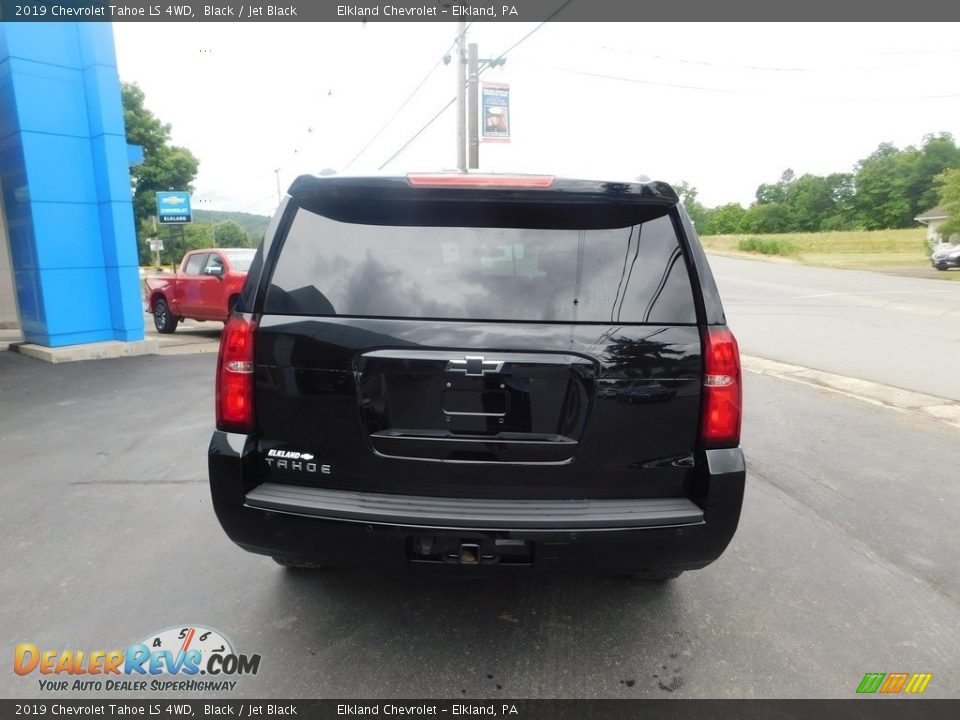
x=469 y=554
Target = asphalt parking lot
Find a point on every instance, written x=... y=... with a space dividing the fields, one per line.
x=845 y=561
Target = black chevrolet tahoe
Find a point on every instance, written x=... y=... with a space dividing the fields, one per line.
x=479 y=370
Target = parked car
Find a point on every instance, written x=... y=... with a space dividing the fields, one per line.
x=946 y=257
x=412 y=374
x=206 y=287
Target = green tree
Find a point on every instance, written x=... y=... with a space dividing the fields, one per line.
x=894 y=186
x=948 y=189
x=817 y=203
x=164 y=166
x=939 y=153
x=777 y=193
x=230 y=235
x=881 y=182
x=843 y=192
x=697 y=212
x=766 y=218
x=725 y=220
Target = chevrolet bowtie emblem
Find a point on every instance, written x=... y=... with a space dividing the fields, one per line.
x=475 y=366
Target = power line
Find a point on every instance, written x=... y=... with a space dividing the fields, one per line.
x=639 y=81
x=704 y=62
x=402 y=105
x=723 y=91
x=258 y=202
x=550 y=17
x=418 y=133
x=501 y=56
x=399 y=109
x=831 y=68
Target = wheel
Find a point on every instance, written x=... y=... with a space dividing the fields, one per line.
x=231 y=304
x=940 y=266
x=297 y=564
x=163 y=319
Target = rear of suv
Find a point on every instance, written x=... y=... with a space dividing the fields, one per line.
x=479 y=370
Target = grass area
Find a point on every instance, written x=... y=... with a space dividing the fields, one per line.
x=767 y=246
x=903 y=252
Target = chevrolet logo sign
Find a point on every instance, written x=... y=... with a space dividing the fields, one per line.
x=475 y=366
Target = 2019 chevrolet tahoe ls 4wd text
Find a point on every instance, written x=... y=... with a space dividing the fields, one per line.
x=479 y=370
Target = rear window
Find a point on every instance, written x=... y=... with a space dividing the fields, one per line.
x=633 y=274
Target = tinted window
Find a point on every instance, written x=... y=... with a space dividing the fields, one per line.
x=195 y=264
x=634 y=274
x=214 y=262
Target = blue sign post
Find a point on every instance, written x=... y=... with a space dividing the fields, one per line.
x=173 y=208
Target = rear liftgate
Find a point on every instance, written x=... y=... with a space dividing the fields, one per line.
x=517 y=408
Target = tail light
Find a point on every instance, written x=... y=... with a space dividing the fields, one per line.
x=722 y=390
x=235 y=376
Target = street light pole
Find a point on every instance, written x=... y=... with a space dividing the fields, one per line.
x=279 y=198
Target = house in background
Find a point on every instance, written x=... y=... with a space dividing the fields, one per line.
x=933 y=219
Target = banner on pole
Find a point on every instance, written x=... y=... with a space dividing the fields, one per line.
x=495 y=106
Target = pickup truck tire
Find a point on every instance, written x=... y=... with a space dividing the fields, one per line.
x=163 y=319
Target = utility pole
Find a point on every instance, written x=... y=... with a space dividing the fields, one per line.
x=472 y=110
x=461 y=91
x=279 y=198
x=473 y=91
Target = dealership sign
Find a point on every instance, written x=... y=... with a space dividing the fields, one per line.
x=173 y=208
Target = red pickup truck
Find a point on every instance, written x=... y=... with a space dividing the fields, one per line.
x=205 y=287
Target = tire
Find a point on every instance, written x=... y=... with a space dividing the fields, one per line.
x=231 y=304
x=163 y=319
x=297 y=564
x=940 y=267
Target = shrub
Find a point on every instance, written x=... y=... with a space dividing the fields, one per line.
x=767 y=246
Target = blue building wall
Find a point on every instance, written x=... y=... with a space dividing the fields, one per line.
x=66 y=184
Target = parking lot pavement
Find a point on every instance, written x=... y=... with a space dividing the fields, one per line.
x=845 y=561
x=191 y=337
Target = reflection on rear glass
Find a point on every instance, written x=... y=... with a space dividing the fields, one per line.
x=632 y=274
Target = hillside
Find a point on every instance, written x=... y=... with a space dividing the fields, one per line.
x=254 y=225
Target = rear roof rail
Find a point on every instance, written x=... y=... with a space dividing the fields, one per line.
x=339 y=186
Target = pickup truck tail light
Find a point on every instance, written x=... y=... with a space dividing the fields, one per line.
x=235 y=376
x=722 y=390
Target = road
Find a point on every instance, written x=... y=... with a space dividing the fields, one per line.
x=845 y=561
x=898 y=331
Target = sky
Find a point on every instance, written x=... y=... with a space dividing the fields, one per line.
x=721 y=106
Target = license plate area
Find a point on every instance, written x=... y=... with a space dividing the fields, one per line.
x=468 y=407
x=475 y=401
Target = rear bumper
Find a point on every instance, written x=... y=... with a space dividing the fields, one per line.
x=364 y=529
